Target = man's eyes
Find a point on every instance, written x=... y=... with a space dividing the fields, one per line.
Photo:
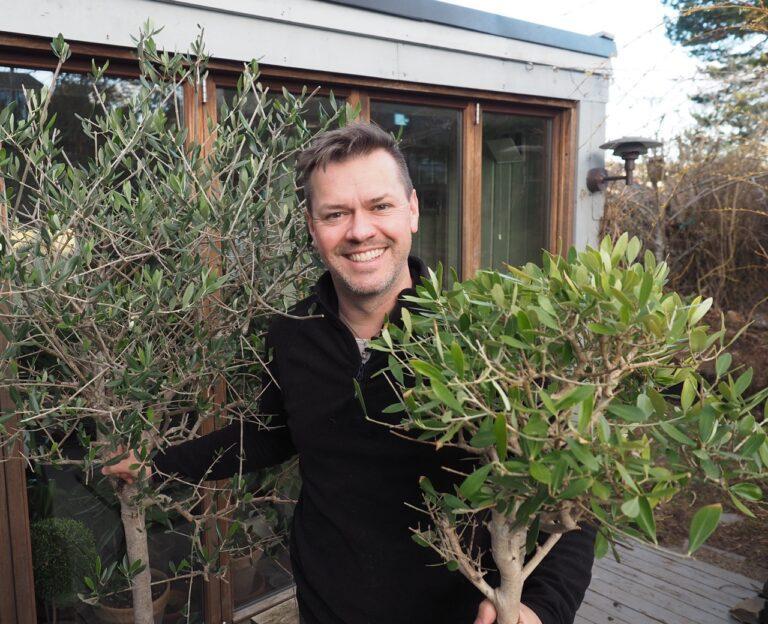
x=337 y=215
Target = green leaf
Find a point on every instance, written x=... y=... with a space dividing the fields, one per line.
x=603 y=330
x=514 y=342
x=426 y=485
x=548 y=402
x=497 y=294
x=394 y=408
x=500 y=435
x=187 y=296
x=748 y=491
x=601 y=544
x=633 y=248
x=407 y=322
x=603 y=429
x=688 y=394
x=540 y=472
x=577 y=395
x=427 y=369
x=457 y=355
x=585 y=414
x=743 y=382
x=698 y=340
x=723 y=364
x=645 y=519
x=677 y=435
x=630 y=413
x=447 y=397
x=577 y=487
x=452 y=565
x=703 y=524
x=645 y=287
x=631 y=507
x=741 y=506
x=583 y=455
x=420 y=540
x=698 y=312
x=626 y=477
x=472 y=484
x=707 y=423
x=752 y=445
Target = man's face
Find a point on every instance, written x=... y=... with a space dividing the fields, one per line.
x=362 y=221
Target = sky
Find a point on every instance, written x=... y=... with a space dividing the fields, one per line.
x=652 y=77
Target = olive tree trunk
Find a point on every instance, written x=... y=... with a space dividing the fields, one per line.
x=508 y=545
x=137 y=549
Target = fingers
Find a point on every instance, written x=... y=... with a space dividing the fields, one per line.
x=122 y=469
x=486 y=613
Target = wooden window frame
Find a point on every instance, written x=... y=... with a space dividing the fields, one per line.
x=17 y=590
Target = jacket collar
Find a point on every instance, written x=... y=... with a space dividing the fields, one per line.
x=325 y=293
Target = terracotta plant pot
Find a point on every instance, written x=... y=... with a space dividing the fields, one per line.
x=242 y=573
x=124 y=615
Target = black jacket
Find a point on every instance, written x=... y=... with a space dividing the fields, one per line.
x=353 y=558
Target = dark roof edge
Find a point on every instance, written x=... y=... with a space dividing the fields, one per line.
x=489 y=23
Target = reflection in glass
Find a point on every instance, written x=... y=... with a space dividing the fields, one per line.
x=516 y=178
x=431 y=143
x=73 y=98
x=318 y=107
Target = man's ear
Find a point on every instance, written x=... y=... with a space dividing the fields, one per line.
x=413 y=203
x=310 y=226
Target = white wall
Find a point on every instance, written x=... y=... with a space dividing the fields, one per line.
x=315 y=35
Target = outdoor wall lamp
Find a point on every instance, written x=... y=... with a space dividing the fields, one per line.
x=627 y=148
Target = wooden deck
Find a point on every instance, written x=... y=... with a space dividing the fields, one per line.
x=654 y=587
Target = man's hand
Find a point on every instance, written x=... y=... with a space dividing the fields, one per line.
x=486 y=614
x=126 y=469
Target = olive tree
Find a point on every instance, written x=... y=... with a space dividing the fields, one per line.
x=136 y=283
x=575 y=385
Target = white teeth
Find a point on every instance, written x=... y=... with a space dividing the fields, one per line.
x=366 y=256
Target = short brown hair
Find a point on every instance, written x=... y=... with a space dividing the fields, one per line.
x=356 y=139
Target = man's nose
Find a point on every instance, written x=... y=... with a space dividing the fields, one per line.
x=361 y=226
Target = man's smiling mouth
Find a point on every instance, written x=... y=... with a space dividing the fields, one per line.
x=366 y=256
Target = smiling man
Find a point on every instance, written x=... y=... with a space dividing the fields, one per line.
x=352 y=556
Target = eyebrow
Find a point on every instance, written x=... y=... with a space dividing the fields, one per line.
x=373 y=200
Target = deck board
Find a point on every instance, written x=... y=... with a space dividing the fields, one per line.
x=650 y=586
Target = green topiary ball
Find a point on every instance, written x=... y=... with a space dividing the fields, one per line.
x=63 y=552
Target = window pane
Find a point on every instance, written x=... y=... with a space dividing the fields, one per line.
x=516 y=176
x=431 y=142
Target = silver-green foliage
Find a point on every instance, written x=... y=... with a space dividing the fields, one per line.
x=135 y=283
x=577 y=386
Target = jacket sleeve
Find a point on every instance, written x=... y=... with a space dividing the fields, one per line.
x=555 y=589
x=218 y=455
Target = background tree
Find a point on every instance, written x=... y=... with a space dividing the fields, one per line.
x=731 y=37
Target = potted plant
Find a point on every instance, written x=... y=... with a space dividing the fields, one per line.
x=575 y=387
x=116 y=604
x=136 y=285
x=63 y=552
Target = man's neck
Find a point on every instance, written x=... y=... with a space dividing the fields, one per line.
x=365 y=314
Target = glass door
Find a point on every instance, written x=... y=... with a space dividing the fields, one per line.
x=516 y=182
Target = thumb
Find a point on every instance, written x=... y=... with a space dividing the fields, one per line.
x=486 y=613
